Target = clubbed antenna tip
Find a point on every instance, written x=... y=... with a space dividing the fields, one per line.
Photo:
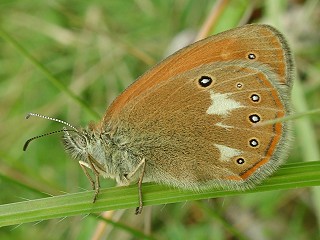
x=25 y=146
x=28 y=116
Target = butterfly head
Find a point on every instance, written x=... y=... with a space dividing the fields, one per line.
x=76 y=142
x=84 y=142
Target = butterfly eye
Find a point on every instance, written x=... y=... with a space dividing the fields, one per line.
x=205 y=81
x=82 y=142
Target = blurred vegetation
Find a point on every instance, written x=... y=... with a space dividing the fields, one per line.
x=96 y=49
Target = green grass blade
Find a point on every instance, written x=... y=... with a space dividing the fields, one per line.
x=290 y=176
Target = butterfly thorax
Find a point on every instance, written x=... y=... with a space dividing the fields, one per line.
x=109 y=155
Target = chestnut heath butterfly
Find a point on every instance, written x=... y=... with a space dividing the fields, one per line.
x=192 y=121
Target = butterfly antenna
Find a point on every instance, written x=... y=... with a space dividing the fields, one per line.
x=25 y=146
x=51 y=119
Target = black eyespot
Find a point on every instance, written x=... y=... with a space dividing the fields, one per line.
x=255 y=98
x=254 y=142
x=205 y=81
x=254 y=118
x=251 y=56
x=240 y=161
x=239 y=85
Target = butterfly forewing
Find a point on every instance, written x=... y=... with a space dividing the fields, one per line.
x=257 y=42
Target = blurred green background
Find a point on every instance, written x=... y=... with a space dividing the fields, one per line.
x=96 y=49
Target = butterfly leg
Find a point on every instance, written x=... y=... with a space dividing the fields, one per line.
x=97 y=181
x=140 y=168
x=95 y=184
x=84 y=167
x=139 y=209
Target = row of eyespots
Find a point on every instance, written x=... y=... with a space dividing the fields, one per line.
x=206 y=81
x=254 y=118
